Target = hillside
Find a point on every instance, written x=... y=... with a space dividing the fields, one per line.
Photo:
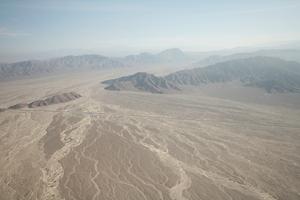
x=270 y=74
x=141 y=81
x=55 y=99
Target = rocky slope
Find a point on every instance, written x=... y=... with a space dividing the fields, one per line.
x=55 y=99
x=270 y=74
x=141 y=81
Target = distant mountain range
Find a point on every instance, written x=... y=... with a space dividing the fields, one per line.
x=285 y=54
x=86 y=62
x=167 y=56
x=32 y=68
x=270 y=74
x=56 y=65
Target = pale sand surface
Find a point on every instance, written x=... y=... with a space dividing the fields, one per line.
x=128 y=145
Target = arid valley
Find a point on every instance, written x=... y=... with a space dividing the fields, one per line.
x=136 y=145
x=149 y=100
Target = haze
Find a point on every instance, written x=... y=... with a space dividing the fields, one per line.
x=43 y=29
x=150 y=100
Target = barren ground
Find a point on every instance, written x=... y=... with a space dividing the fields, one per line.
x=129 y=145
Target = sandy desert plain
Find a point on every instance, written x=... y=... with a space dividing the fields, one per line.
x=110 y=145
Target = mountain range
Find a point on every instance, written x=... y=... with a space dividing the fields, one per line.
x=85 y=62
x=56 y=65
x=174 y=55
x=66 y=64
x=270 y=74
x=285 y=54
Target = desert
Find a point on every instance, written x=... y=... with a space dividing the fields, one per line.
x=149 y=100
x=139 y=145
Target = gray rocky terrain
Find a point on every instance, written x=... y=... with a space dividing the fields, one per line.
x=270 y=74
x=55 y=99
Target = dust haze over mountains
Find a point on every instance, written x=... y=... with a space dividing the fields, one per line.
x=170 y=57
x=169 y=125
x=176 y=100
x=88 y=62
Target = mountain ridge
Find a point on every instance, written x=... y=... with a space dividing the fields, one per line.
x=270 y=74
x=72 y=63
x=141 y=81
x=54 y=99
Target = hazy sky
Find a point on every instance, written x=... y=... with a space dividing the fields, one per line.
x=113 y=26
